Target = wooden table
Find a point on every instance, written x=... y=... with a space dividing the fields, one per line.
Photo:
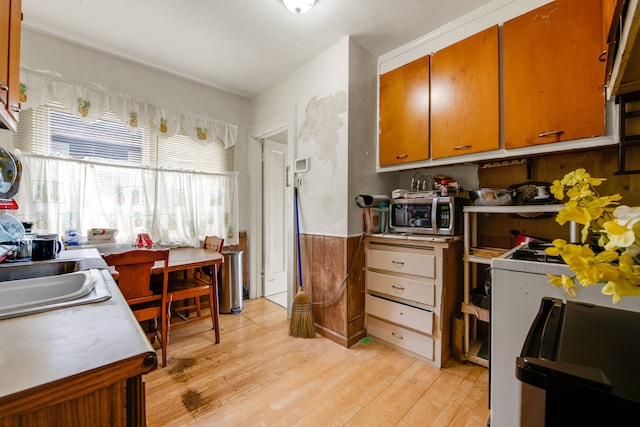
x=186 y=258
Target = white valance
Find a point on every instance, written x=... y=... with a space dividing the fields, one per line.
x=91 y=101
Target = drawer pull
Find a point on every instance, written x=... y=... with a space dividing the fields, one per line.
x=397 y=262
x=15 y=108
x=462 y=147
x=4 y=86
x=550 y=133
x=401 y=288
x=402 y=156
x=397 y=336
x=603 y=56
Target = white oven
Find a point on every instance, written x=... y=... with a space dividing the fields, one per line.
x=517 y=287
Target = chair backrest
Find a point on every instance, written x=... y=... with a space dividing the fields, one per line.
x=134 y=273
x=213 y=243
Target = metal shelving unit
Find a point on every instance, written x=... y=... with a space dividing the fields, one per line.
x=472 y=313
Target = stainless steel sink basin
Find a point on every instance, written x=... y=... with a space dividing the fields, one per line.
x=48 y=286
x=40 y=269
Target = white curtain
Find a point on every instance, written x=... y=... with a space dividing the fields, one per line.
x=175 y=208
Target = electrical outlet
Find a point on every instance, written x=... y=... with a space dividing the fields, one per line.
x=299 y=182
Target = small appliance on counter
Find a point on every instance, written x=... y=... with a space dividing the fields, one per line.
x=72 y=237
x=10 y=174
x=101 y=235
x=375 y=209
x=440 y=216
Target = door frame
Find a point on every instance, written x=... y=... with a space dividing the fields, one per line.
x=260 y=131
x=273 y=210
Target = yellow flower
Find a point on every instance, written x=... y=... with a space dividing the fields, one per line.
x=575 y=213
x=566 y=282
x=572 y=178
x=588 y=266
x=557 y=189
x=627 y=216
x=626 y=284
x=558 y=247
x=619 y=236
x=580 y=191
x=620 y=289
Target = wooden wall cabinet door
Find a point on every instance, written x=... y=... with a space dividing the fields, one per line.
x=10 y=21
x=553 y=77
x=465 y=96
x=404 y=114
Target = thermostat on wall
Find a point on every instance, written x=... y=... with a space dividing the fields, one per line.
x=302 y=165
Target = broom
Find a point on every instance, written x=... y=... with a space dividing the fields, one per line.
x=302 y=325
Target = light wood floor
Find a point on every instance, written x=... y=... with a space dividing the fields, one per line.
x=260 y=376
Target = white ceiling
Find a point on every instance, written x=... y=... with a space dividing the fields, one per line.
x=243 y=46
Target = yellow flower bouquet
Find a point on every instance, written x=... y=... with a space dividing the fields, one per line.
x=614 y=260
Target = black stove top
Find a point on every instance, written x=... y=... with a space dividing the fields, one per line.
x=534 y=251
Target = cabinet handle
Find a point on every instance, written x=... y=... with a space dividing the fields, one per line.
x=397 y=336
x=462 y=147
x=15 y=108
x=550 y=133
x=398 y=287
x=603 y=56
x=402 y=156
x=397 y=262
x=3 y=86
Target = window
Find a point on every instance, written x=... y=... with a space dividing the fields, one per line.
x=101 y=139
x=53 y=130
x=102 y=175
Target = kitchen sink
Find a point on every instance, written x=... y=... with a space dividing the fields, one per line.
x=39 y=269
x=48 y=286
x=17 y=271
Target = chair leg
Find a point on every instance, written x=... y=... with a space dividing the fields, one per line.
x=165 y=322
x=213 y=303
x=152 y=326
x=198 y=308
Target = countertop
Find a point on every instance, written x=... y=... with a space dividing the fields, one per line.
x=43 y=348
x=415 y=236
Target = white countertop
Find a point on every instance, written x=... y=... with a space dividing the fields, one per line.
x=43 y=348
x=415 y=236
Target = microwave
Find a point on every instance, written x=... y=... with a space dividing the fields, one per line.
x=441 y=216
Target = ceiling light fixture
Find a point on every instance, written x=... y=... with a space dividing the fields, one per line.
x=299 y=6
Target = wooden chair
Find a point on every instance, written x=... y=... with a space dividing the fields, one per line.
x=203 y=283
x=134 y=280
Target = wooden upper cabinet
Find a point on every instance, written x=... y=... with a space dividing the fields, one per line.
x=465 y=113
x=553 y=77
x=10 y=22
x=404 y=114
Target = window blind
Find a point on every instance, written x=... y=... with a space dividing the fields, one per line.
x=51 y=130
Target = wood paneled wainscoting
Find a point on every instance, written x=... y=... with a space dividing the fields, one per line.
x=338 y=311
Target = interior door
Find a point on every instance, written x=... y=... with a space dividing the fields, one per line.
x=275 y=260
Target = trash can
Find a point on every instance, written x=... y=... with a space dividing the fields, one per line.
x=230 y=284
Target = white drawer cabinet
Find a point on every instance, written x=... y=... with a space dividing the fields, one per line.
x=419 y=344
x=416 y=262
x=413 y=286
x=422 y=292
x=402 y=314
